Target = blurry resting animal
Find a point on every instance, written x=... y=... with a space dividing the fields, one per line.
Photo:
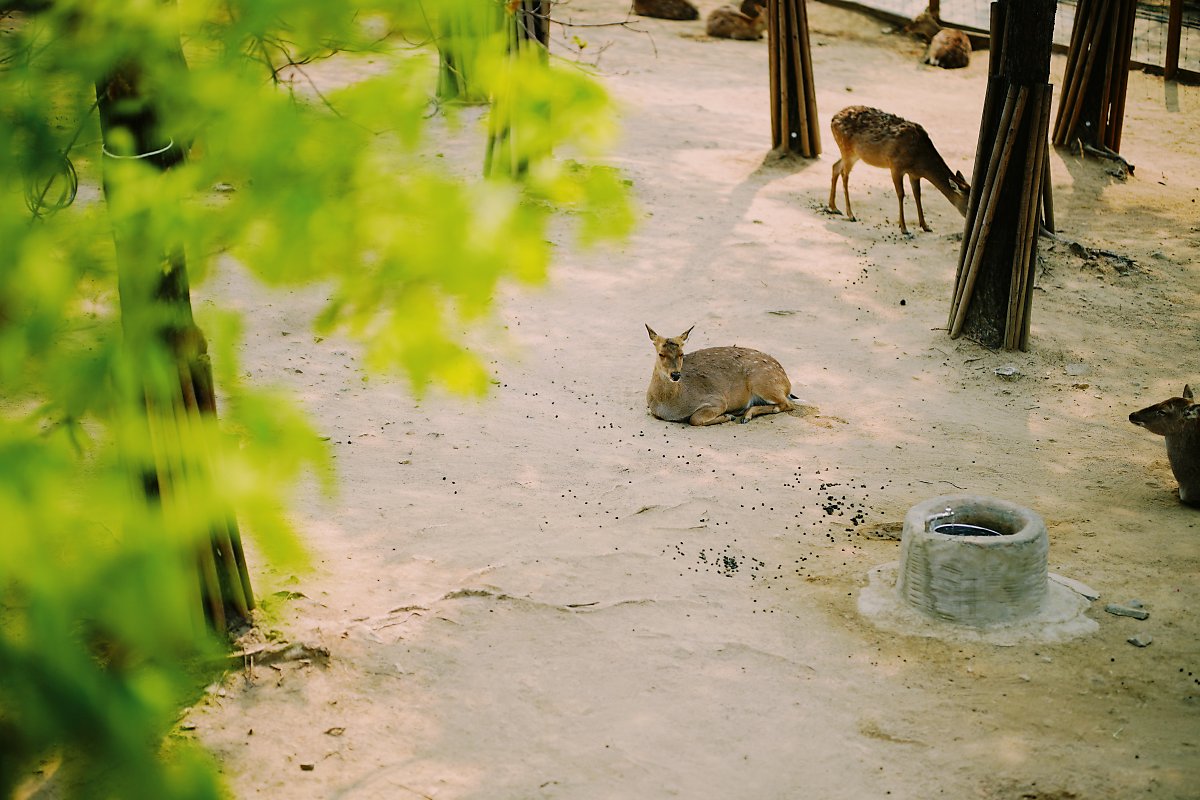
x=1177 y=419
x=923 y=26
x=886 y=140
x=728 y=22
x=950 y=49
x=714 y=385
x=666 y=9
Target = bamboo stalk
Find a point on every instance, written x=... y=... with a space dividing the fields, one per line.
x=1075 y=80
x=166 y=468
x=1043 y=155
x=1026 y=218
x=800 y=124
x=1047 y=196
x=1123 y=75
x=995 y=183
x=814 y=125
x=977 y=174
x=163 y=481
x=1073 y=51
x=1093 y=48
x=785 y=100
x=1110 y=41
x=189 y=428
x=996 y=47
x=773 y=55
x=201 y=377
x=994 y=85
x=985 y=187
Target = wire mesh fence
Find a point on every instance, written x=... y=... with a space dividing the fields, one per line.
x=1149 y=31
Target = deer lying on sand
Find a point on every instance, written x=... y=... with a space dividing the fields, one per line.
x=949 y=48
x=1178 y=419
x=886 y=140
x=666 y=9
x=714 y=385
x=729 y=22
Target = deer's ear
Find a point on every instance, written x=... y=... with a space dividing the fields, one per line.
x=650 y=331
x=1187 y=393
x=960 y=177
x=683 y=336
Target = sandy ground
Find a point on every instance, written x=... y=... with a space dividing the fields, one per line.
x=550 y=594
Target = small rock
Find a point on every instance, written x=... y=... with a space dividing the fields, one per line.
x=308 y=767
x=1126 y=611
x=1140 y=641
x=1075 y=370
x=1009 y=372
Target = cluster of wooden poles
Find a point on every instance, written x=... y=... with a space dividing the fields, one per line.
x=795 y=128
x=1024 y=115
x=178 y=443
x=1101 y=39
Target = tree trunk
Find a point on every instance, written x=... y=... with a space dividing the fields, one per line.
x=795 y=129
x=993 y=288
x=156 y=317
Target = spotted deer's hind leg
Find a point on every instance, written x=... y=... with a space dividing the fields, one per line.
x=837 y=170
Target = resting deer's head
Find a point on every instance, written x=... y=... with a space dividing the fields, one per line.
x=670 y=353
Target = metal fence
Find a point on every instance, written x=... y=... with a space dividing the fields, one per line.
x=1151 y=31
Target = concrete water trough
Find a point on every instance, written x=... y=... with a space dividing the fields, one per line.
x=975 y=567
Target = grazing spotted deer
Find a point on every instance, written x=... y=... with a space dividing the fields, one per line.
x=666 y=9
x=1178 y=419
x=729 y=22
x=886 y=140
x=949 y=49
x=714 y=385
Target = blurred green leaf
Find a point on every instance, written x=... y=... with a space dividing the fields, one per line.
x=301 y=175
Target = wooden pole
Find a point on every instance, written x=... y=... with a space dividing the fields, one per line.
x=1047 y=196
x=800 y=124
x=972 y=237
x=1082 y=10
x=1027 y=220
x=1074 y=102
x=1001 y=157
x=810 y=87
x=1174 y=30
x=1110 y=42
x=795 y=125
x=1042 y=188
x=773 y=47
x=1122 y=86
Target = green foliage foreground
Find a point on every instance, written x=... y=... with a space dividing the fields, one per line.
x=98 y=615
